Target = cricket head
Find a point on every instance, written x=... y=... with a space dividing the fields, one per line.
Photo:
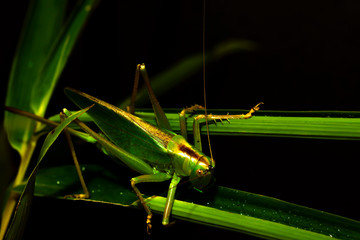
x=202 y=172
x=189 y=161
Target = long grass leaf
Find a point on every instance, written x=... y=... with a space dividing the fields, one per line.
x=315 y=125
x=32 y=53
x=219 y=207
x=40 y=58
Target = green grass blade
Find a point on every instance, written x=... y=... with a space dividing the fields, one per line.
x=52 y=136
x=32 y=53
x=236 y=222
x=60 y=53
x=17 y=227
x=315 y=125
x=34 y=44
x=40 y=58
x=218 y=206
x=229 y=208
x=340 y=125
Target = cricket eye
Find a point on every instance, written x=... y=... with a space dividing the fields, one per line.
x=199 y=172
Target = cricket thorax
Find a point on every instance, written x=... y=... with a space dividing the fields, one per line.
x=186 y=158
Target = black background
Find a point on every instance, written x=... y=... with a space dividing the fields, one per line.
x=307 y=59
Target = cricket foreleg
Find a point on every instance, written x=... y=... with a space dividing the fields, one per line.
x=170 y=199
x=159 y=177
x=197 y=119
x=182 y=118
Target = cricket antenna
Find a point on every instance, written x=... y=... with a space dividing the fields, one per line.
x=204 y=82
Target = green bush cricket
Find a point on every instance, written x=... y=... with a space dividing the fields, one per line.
x=156 y=152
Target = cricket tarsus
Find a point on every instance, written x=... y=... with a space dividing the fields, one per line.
x=200 y=118
x=142 y=201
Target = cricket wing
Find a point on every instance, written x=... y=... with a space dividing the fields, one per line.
x=126 y=130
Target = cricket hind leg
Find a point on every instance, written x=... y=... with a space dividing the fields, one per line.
x=86 y=193
x=159 y=177
x=131 y=107
x=161 y=118
x=227 y=117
